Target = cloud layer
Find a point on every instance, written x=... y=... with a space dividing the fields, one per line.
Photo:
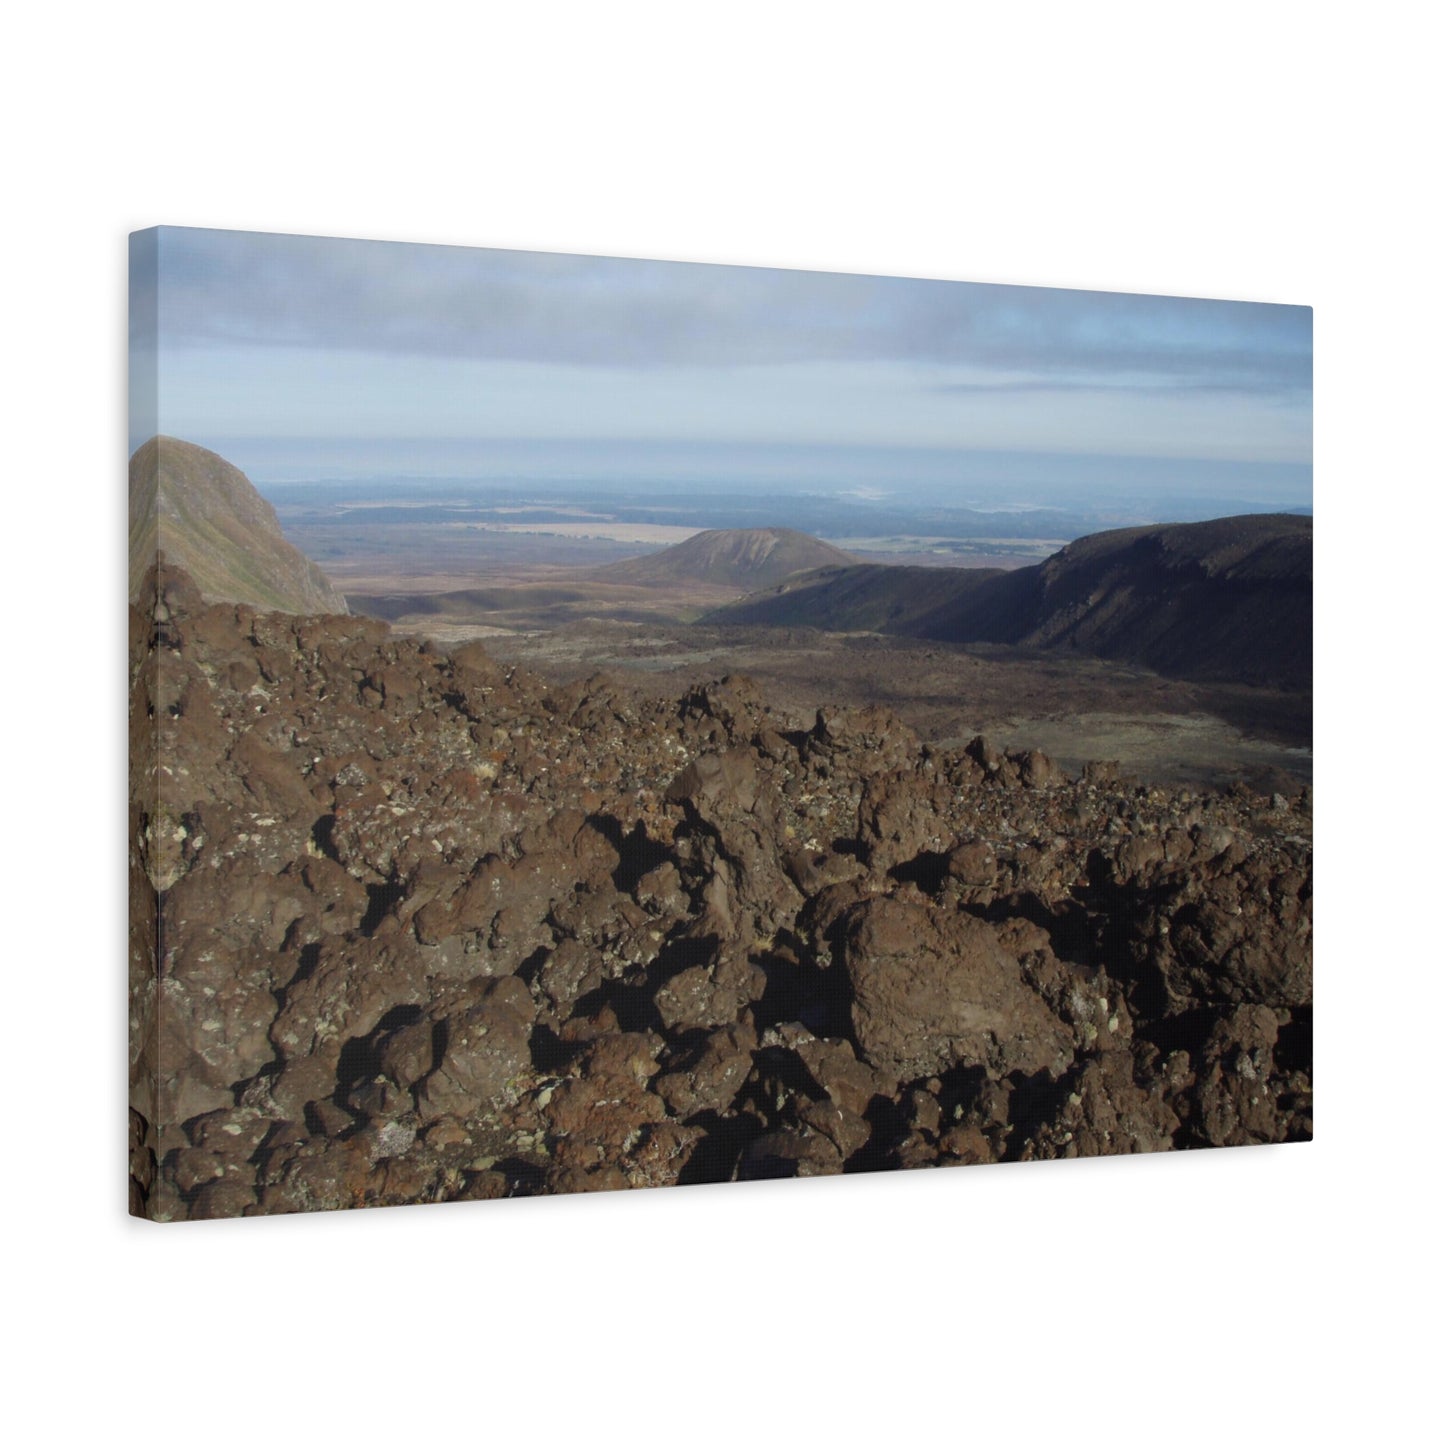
x=302 y=335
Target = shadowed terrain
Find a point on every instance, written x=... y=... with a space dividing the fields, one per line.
x=1225 y=601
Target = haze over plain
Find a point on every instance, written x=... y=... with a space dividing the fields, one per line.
x=305 y=358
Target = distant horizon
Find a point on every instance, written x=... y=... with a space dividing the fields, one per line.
x=301 y=357
x=984 y=480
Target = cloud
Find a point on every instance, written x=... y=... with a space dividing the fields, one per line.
x=239 y=289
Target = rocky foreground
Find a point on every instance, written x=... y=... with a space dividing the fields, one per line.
x=409 y=926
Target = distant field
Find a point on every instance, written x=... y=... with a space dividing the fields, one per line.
x=1005 y=552
x=647 y=534
x=960 y=551
x=379 y=537
x=429 y=557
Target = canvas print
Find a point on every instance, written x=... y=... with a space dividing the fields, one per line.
x=601 y=724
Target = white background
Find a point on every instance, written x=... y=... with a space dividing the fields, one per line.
x=1265 y=152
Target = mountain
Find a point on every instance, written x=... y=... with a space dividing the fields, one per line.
x=203 y=514
x=747 y=558
x=1226 y=601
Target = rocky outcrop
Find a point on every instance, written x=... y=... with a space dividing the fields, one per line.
x=408 y=925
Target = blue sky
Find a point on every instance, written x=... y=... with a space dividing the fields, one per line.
x=298 y=338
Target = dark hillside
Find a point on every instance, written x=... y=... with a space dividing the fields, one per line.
x=1222 y=601
x=866 y=597
x=1229 y=600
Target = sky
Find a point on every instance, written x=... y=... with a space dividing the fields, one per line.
x=263 y=340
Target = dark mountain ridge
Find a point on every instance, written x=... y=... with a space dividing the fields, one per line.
x=1225 y=600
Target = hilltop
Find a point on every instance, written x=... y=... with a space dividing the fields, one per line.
x=202 y=514
x=1228 y=600
x=747 y=558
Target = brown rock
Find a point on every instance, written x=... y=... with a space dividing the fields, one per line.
x=485 y=1054
x=931 y=991
x=709 y=1078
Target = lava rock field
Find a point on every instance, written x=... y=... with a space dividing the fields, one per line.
x=409 y=925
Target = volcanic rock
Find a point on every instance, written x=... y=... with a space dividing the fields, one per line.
x=408 y=925
x=931 y=991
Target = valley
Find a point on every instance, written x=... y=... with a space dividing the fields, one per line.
x=569 y=588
